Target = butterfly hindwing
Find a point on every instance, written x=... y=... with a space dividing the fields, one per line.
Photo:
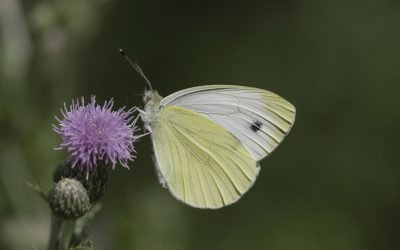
x=203 y=164
x=259 y=119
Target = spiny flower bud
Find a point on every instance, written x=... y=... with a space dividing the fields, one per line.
x=68 y=199
x=95 y=183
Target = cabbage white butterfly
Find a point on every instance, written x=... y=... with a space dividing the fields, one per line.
x=208 y=140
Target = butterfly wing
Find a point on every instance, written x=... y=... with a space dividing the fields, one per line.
x=202 y=163
x=259 y=119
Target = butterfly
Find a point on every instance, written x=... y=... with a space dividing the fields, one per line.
x=208 y=140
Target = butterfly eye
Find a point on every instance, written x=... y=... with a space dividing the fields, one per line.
x=147 y=96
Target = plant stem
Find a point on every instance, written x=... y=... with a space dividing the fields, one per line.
x=54 y=233
x=66 y=231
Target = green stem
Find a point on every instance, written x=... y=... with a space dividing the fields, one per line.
x=54 y=233
x=66 y=231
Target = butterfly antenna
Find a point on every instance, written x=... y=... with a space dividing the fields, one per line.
x=136 y=67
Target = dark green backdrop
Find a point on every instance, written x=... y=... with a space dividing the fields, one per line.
x=333 y=184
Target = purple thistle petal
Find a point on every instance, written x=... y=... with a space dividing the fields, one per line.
x=92 y=133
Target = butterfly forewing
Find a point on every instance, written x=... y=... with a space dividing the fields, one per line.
x=259 y=119
x=203 y=164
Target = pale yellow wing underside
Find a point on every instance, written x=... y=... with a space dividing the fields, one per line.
x=202 y=163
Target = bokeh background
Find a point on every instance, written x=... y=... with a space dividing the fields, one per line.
x=333 y=184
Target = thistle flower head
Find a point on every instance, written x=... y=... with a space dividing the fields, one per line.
x=92 y=133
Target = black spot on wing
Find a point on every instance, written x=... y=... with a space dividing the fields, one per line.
x=256 y=126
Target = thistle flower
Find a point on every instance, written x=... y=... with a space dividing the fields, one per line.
x=92 y=133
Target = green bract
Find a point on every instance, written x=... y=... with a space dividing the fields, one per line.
x=68 y=199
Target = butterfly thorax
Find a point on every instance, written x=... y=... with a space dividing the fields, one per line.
x=151 y=115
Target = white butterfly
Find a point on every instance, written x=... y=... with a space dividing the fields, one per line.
x=208 y=140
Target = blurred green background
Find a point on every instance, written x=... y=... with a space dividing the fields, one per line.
x=333 y=184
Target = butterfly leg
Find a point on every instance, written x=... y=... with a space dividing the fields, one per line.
x=140 y=115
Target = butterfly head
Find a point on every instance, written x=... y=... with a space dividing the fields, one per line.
x=151 y=97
